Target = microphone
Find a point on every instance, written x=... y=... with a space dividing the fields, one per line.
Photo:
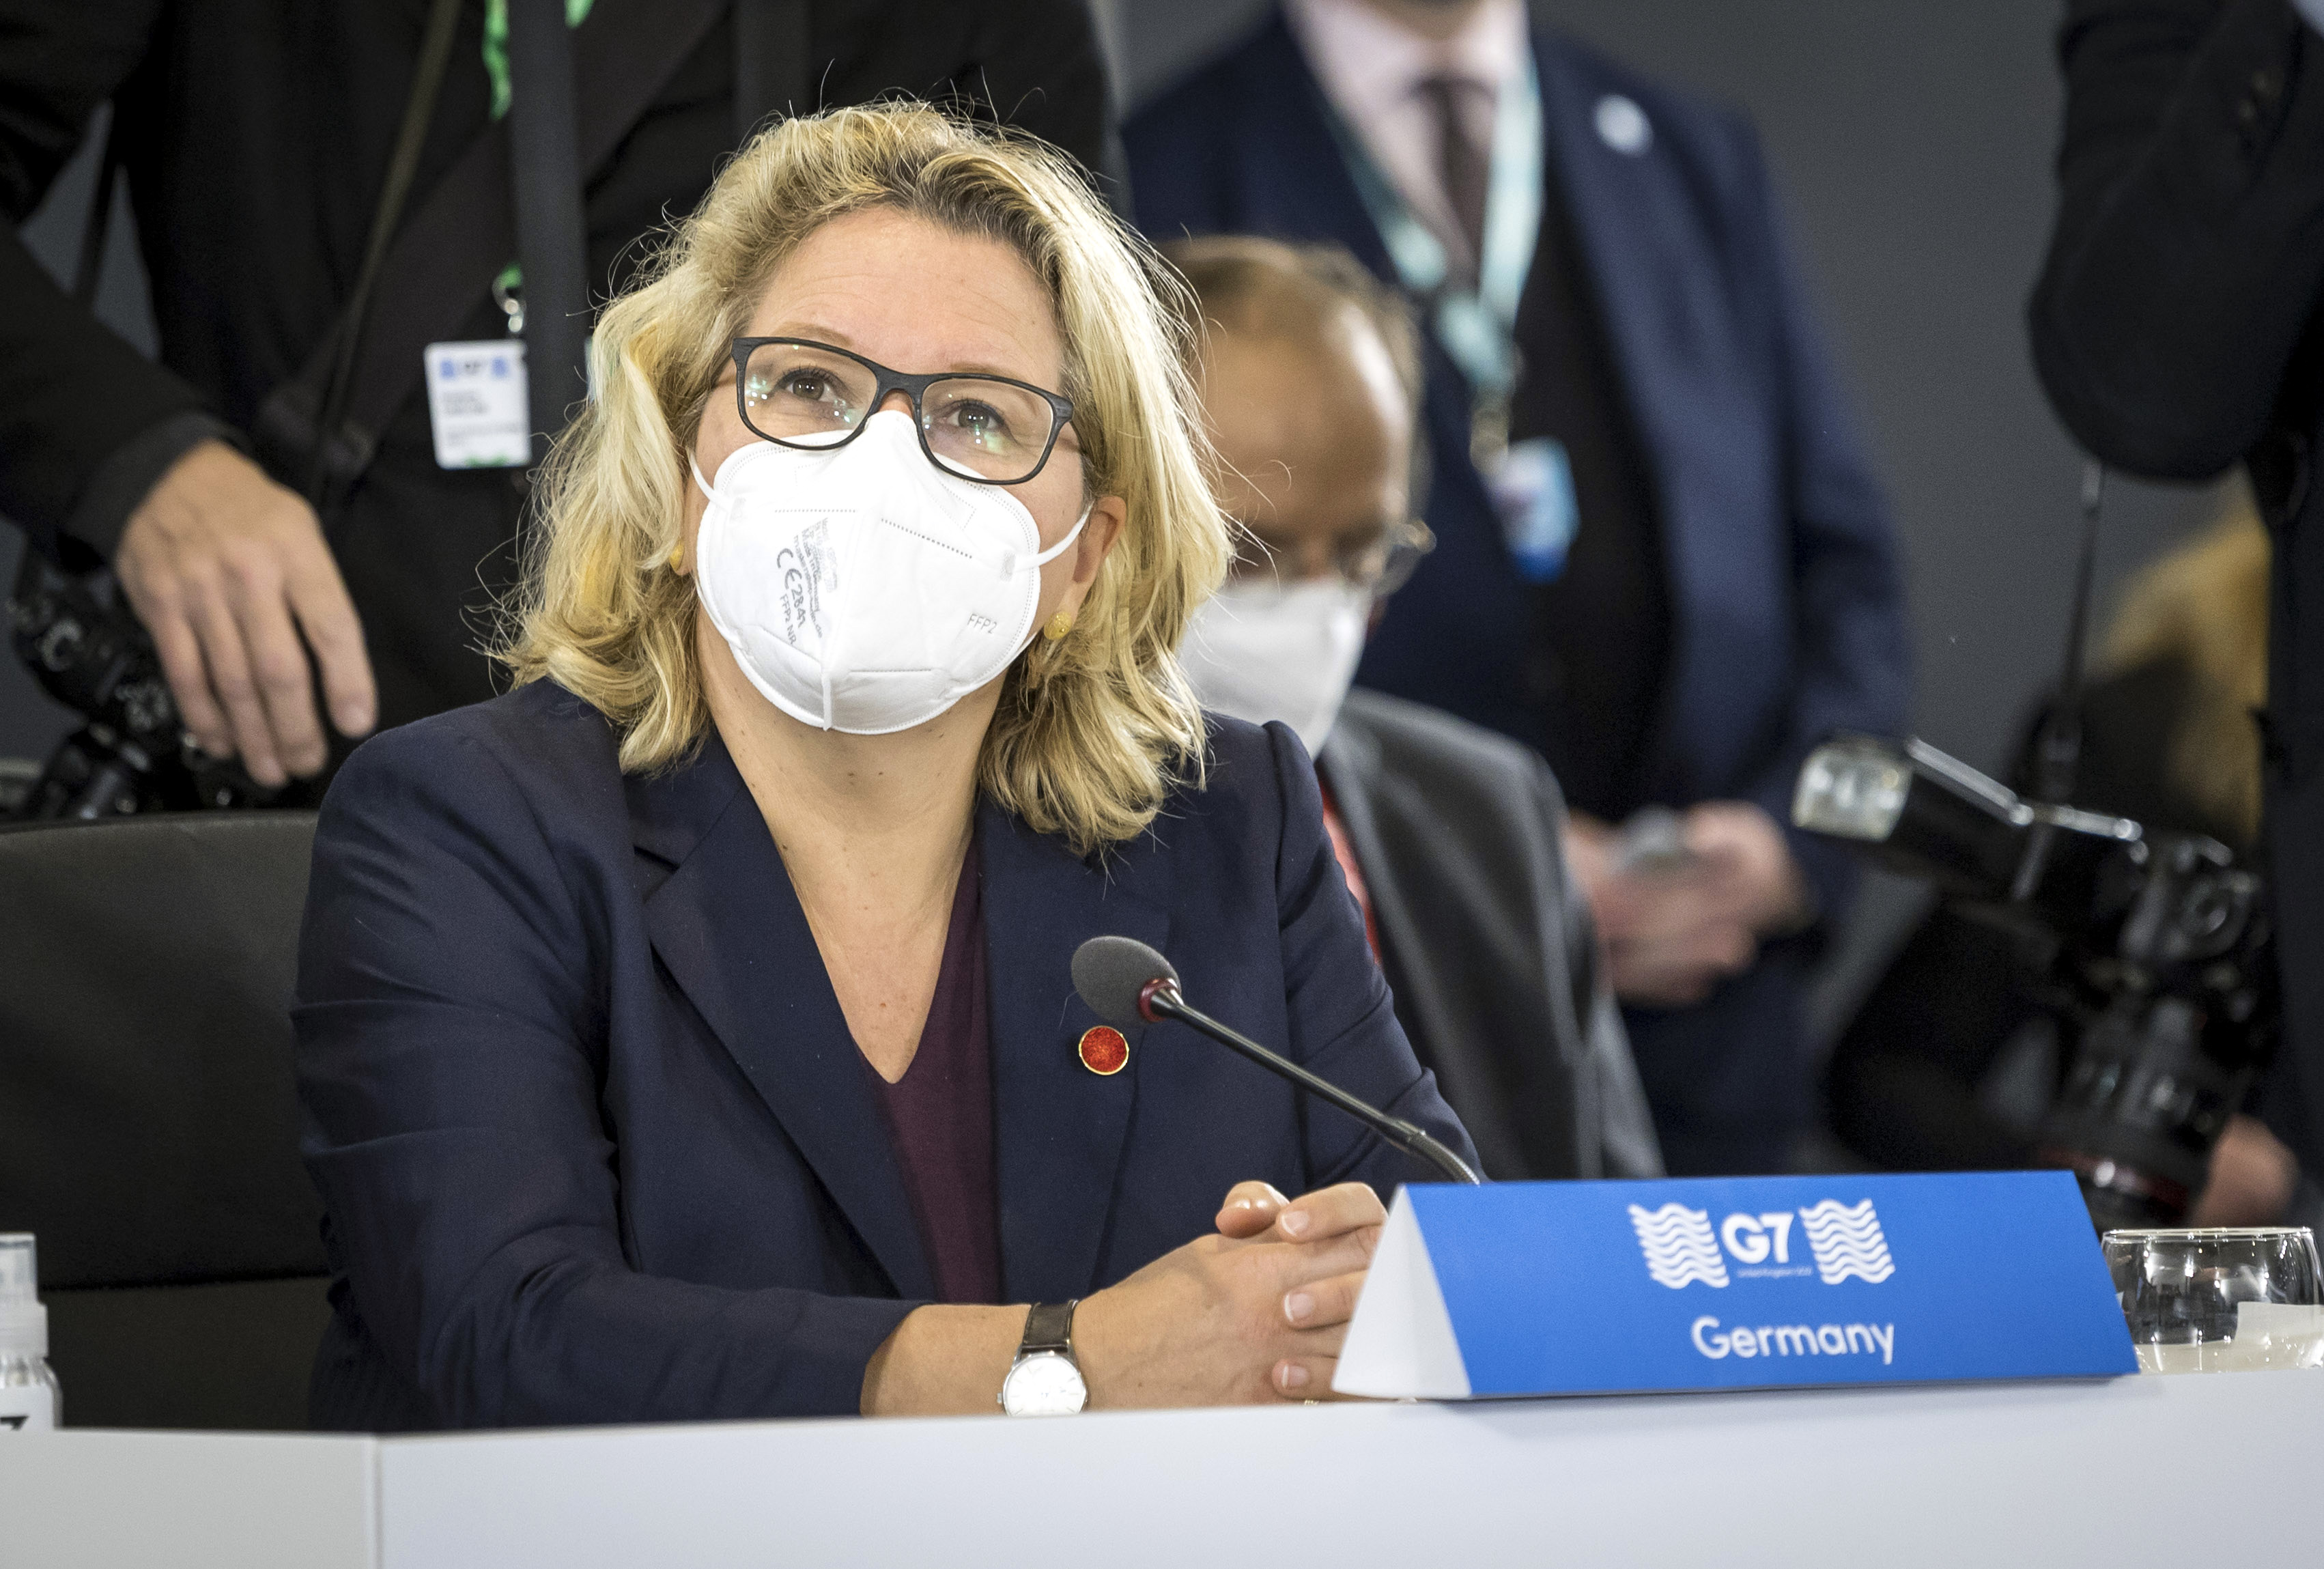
x=1126 y=983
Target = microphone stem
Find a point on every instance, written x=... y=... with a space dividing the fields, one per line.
x=1165 y=1002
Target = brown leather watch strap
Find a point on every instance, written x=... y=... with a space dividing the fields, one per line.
x=1049 y=1327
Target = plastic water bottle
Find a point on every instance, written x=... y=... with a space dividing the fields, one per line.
x=29 y=1401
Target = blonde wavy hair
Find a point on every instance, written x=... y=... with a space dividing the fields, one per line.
x=2204 y=608
x=1093 y=730
x=2207 y=610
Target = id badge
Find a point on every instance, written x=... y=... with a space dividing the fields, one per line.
x=1532 y=488
x=478 y=408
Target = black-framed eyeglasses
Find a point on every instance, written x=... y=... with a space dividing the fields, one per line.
x=1379 y=566
x=796 y=393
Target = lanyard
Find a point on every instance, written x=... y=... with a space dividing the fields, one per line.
x=1477 y=327
x=496 y=65
x=508 y=288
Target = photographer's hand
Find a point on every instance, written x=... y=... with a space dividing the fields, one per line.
x=2252 y=1180
x=227 y=571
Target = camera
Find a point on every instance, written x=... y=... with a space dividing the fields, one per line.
x=131 y=755
x=2153 y=951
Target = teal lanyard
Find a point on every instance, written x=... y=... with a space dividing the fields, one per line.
x=1476 y=328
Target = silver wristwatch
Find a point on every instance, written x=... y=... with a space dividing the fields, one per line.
x=1045 y=1381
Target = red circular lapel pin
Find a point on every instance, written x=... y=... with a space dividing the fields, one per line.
x=1104 y=1050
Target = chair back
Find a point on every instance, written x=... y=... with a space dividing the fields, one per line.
x=148 y=1115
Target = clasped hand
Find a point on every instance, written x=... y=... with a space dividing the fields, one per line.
x=1256 y=1313
x=1673 y=934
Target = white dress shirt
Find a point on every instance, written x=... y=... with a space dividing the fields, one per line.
x=1371 y=68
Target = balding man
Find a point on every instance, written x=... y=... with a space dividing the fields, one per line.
x=1449 y=835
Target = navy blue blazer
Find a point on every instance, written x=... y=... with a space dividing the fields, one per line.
x=594 y=1143
x=1786 y=605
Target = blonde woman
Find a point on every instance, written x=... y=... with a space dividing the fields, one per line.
x=689 y=1033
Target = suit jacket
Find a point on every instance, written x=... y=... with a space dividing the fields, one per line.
x=1787 y=608
x=2176 y=327
x=595 y=1143
x=255 y=137
x=1487 y=942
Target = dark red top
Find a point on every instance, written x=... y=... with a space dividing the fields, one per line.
x=940 y=1114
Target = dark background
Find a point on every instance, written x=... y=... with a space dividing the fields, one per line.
x=1912 y=139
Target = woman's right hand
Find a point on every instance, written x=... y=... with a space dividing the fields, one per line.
x=1236 y=1319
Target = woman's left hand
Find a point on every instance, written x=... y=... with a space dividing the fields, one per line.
x=1250 y=1209
x=1256 y=1210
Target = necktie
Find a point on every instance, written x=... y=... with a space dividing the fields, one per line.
x=1464 y=163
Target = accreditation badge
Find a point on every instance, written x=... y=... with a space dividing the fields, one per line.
x=1532 y=488
x=478 y=407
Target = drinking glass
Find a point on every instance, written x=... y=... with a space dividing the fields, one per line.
x=2224 y=1300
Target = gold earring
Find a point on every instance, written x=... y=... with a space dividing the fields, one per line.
x=1058 y=626
x=678 y=556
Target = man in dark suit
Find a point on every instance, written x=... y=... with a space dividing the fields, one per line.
x=1663 y=561
x=2176 y=327
x=256 y=139
x=1449 y=835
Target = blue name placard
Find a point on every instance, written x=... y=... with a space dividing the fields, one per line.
x=1580 y=1288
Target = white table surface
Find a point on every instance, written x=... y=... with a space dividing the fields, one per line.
x=2131 y=1472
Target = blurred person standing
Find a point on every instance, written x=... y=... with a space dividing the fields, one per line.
x=312 y=182
x=1449 y=835
x=1663 y=561
x=2176 y=327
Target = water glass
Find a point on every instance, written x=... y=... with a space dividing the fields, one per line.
x=2223 y=1300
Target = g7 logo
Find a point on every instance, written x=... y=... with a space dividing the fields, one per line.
x=1680 y=1249
x=1749 y=1241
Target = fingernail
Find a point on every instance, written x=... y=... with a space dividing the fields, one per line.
x=1291 y=1376
x=1295 y=1222
x=1298 y=1306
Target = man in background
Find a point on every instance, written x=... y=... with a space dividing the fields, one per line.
x=255 y=140
x=1449 y=835
x=1662 y=562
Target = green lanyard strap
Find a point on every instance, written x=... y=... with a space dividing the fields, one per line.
x=496 y=64
x=1477 y=327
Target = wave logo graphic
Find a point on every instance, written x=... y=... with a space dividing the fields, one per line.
x=1847 y=1242
x=1679 y=1245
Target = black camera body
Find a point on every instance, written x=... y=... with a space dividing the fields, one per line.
x=2154 y=951
x=131 y=755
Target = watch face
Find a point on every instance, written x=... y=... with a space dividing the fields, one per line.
x=1044 y=1384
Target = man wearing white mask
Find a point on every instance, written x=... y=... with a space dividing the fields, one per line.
x=1449 y=835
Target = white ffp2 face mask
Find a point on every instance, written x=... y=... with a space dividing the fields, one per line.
x=861 y=589
x=1260 y=650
